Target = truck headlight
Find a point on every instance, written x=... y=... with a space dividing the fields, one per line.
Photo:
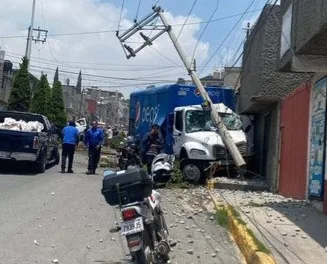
x=198 y=152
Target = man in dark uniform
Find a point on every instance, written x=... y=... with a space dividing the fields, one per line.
x=152 y=145
x=94 y=140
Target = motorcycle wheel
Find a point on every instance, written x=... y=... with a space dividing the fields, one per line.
x=139 y=257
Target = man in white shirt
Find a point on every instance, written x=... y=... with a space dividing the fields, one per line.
x=110 y=134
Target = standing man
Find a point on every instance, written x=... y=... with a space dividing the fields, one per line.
x=110 y=134
x=70 y=139
x=94 y=140
x=152 y=145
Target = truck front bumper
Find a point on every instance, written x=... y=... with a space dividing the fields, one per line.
x=17 y=156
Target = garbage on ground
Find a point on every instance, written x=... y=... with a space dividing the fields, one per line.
x=12 y=124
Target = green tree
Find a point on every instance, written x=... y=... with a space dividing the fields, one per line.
x=20 y=95
x=58 y=113
x=40 y=101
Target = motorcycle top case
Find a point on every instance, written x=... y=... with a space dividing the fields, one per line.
x=126 y=186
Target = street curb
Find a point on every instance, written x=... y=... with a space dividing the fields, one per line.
x=241 y=235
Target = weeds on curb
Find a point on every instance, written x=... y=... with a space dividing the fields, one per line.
x=222 y=217
x=261 y=247
x=222 y=220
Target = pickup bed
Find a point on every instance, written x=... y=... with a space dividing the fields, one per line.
x=38 y=148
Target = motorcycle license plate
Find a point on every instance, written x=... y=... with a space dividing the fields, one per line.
x=132 y=227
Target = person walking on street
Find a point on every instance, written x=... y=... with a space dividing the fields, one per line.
x=94 y=140
x=70 y=139
x=110 y=134
x=152 y=145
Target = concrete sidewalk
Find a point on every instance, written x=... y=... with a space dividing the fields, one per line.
x=292 y=230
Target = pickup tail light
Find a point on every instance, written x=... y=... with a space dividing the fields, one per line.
x=36 y=142
x=129 y=214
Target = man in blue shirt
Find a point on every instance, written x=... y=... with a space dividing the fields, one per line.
x=70 y=139
x=94 y=140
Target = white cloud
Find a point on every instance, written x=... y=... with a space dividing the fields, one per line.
x=97 y=51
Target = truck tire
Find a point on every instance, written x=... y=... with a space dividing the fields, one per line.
x=41 y=163
x=192 y=173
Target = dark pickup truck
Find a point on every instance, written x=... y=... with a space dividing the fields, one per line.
x=38 y=148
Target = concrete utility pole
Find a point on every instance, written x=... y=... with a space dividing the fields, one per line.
x=30 y=34
x=30 y=37
x=207 y=104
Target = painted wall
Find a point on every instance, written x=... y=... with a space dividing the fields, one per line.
x=294 y=146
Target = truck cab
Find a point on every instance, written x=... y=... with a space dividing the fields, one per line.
x=196 y=142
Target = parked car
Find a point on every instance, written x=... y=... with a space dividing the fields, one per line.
x=39 y=148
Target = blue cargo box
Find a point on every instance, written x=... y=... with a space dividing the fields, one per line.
x=153 y=105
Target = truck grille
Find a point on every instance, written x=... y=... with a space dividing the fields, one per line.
x=222 y=153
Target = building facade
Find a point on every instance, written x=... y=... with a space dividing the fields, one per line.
x=262 y=91
x=303 y=49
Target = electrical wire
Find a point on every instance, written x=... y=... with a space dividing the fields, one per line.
x=102 y=76
x=137 y=11
x=121 y=14
x=225 y=39
x=147 y=66
x=43 y=19
x=204 y=30
x=100 y=69
x=189 y=13
x=164 y=56
x=257 y=27
x=114 y=31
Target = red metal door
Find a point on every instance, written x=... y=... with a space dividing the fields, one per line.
x=294 y=142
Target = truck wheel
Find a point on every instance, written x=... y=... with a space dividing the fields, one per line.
x=41 y=164
x=191 y=173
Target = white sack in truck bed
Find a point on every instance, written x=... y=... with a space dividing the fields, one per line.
x=12 y=124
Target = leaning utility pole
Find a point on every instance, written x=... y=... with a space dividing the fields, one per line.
x=30 y=37
x=207 y=104
x=30 y=34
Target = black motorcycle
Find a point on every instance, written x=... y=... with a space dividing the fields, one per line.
x=128 y=156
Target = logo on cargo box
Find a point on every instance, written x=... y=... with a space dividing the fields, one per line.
x=197 y=92
x=137 y=115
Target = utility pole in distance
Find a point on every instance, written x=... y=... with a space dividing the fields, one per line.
x=207 y=104
x=30 y=37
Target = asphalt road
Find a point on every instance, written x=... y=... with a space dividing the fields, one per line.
x=64 y=216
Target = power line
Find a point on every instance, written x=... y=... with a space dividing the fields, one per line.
x=189 y=13
x=231 y=31
x=258 y=26
x=121 y=14
x=101 y=76
x=114 y=31
x=148 y=66
x=164 y=56
x=100 y=69
x=205 y=28
x=137 y=11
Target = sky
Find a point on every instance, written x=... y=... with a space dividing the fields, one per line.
x=81 y=37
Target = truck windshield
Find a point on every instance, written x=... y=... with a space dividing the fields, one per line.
x=198 y=120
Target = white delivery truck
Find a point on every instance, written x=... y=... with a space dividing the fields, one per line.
x=197 y=143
